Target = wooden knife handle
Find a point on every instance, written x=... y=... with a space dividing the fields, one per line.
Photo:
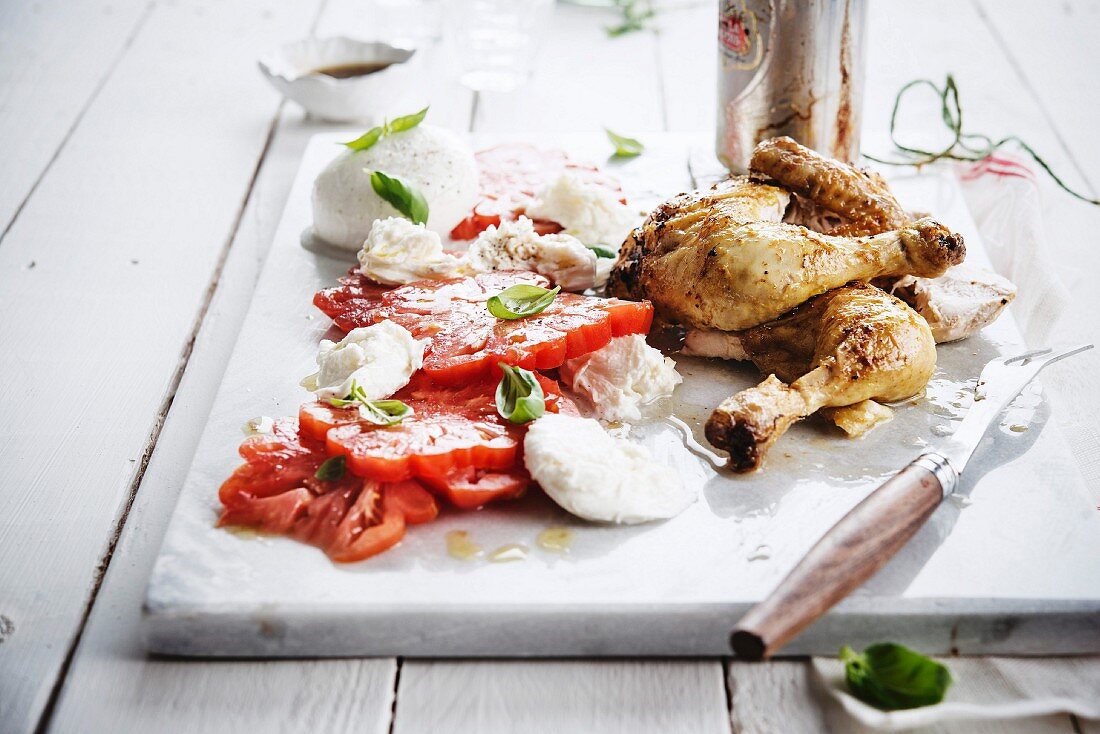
x=849 y=554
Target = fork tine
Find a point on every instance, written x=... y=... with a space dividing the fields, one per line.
x=1027 y=355
x=1063 y=353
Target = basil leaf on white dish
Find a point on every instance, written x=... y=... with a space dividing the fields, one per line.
x=406 y=122
x=624 y=147
x=378 y=359
x=519 y=395
x=403 y=197
x=434 y=161
x=399 y=251
x=620 y=379
x=516 y=245
x=521 y=300
x=891 y=676
x=332 y=469
x=596 y=476
x=367 y=140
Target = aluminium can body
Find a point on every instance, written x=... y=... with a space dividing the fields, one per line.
x=789 y=67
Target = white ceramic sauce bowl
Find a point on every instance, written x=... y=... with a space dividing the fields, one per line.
x=290 y=69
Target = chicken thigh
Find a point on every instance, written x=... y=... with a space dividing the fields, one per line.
x=703 y=268
x=846 y=346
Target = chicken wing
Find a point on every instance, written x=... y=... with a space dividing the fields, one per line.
x=861 y=198
x=849 y=345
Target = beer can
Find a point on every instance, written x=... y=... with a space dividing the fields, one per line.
x=789 y=67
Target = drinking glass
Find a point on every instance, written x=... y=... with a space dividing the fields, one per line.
x=495 y=41
x=409 y=23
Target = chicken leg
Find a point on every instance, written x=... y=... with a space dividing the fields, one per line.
x=845 y=346
x=707 y=270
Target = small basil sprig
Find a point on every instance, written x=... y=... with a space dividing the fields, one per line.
x=624 y=147
x=379 y=412
x=520 y=398
x=891 y=676
x=332 y=469
x=406 y=199
x=521 y=300
x=602 y=252
x=397 y=125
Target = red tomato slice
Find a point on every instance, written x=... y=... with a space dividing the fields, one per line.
x=509 y=175
x=349 y=519
x=469 y=488
x=449 y=430
x=466 y=341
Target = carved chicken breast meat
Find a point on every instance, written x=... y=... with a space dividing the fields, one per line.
x=849 y=345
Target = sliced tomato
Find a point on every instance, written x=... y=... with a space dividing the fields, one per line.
x=450 y=429
x=466 y=341
x=350 y=518
x=469 y=488
x=275 y=463
x=416 y=504
x=510 y=175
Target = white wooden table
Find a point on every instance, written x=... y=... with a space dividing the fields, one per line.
x=145 y=164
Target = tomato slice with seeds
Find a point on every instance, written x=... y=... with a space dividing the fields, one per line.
x=466 y=341
x=350 y=518
x=470 y=488
x=450 y=429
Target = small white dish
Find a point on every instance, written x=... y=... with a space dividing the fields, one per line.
x=292 y=69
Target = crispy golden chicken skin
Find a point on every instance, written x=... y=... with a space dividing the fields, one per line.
x=704 y=263
x=846 y=346
x=861 y=198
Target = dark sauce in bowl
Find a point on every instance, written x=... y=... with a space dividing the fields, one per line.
x=350 y=71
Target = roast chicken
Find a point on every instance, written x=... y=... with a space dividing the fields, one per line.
x=842 y=348
x=834 y=197
x=710 y=259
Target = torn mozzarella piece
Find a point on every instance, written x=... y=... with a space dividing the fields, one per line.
x=598 y=477
x=621 y=378
x=959 y=303
x=517 y=246
x=591 y=213
x=397 y=251
x=380 y=359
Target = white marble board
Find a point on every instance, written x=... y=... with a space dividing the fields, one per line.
x=1012 y=568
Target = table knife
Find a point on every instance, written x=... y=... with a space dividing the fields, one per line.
x=876 y=529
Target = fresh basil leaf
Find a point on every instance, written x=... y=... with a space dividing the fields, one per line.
x=521 y=300
x=384 y=412
x=891 y=676
x=367 y=139
x=520 y=398
x=603 y=252
x=406 y=122
x=407 y=200
x=624 y=147
x=332 y=469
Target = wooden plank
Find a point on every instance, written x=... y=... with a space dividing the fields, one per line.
x=111 y=680
x=582 y=81
x=113 y=685
x=560 y=697
x=50 y=69
x=125 y=232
